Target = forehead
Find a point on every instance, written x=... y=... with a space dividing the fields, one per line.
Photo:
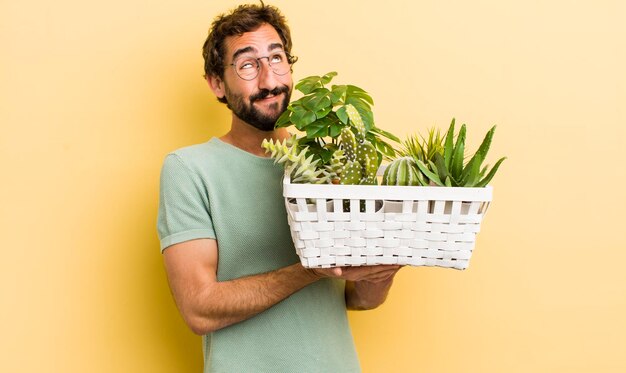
x=260 y=40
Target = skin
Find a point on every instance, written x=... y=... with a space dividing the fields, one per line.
x=208 y=304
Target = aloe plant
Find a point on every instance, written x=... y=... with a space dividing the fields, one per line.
x=448 y=167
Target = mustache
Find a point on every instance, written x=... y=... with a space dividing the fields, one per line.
x=266 y=92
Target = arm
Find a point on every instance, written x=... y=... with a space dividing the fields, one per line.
x=207 y=304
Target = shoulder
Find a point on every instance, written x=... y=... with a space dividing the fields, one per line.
x=194 y=157
x=189 y=153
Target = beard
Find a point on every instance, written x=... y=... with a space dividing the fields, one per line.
x=245 y=110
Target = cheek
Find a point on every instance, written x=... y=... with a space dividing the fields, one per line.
x=287 y=80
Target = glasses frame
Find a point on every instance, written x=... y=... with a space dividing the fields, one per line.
x=290 y=60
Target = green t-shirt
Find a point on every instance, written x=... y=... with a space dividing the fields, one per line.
x=215 y=190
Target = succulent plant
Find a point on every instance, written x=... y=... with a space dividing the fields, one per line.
x=448 y=168
x=422 y=148
x=303 y=168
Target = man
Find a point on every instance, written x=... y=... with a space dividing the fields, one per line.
x=227 y=248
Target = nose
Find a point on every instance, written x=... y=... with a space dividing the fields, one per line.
x=267 y=79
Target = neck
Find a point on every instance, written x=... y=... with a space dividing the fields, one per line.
x=249 y=139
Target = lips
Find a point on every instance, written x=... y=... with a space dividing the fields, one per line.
x=267 y=94
x=269 y=98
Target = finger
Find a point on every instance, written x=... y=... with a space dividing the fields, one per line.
x=329 y=272
x=370 y=270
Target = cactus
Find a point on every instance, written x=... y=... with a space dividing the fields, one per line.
x=403 y=171
x=358 y=151
x=368 y=158
x=348 y=143
x=356 y=121
x=351 y=173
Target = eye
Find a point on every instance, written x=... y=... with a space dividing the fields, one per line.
x=278 y=57
x=246 y=64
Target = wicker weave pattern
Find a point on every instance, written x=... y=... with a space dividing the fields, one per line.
x=329 y=232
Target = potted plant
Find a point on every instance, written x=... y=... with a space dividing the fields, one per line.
x=341 y=144
x=441 y=161
x=332 y=200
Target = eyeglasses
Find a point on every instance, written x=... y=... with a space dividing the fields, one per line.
x=247 y=68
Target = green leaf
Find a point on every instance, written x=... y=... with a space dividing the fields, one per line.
x=302 y=118
x=324 y=112
x=308 y=84
x=481 y=153
x=318 y=100
x=386 y=134
x=440 y=164
x=491 y=174
x=317 y=129
x=328 y=77
x=384 y=148
x=471 y=173
x=284 y=120
x=321 y=153
x=484 y=146
x=337 y=93
x=429 y=174
x=458 y=153
x=342 y=115
x=483 y=171
x=356 y=92
x=449 y=145
x=335 y=129
x=475 y=162
x=308 y=143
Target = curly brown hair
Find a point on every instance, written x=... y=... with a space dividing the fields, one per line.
x=244 y=18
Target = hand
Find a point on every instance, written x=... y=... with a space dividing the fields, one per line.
x=373 y=274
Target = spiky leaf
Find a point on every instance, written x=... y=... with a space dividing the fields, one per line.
x=491 y=173
x=449 y=145
x=471 y=173
x=458 y=153
x=432 y=176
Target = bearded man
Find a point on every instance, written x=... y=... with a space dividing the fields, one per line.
x=229 y=257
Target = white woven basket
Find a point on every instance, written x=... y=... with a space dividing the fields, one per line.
x=356 y=225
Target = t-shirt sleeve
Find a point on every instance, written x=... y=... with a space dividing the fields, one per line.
x=184 y=212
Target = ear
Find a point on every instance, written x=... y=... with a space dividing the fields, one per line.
x=217 y=85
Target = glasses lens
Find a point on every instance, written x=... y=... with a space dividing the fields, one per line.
x=247 y=67
x=279 y=62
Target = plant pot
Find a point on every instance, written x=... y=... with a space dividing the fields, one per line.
x=418 y=226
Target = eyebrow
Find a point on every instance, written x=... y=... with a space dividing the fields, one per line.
x=270 y=48
x=275 y=46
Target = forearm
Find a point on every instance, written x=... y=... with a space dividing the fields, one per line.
x=365 y=295
x=220 y=304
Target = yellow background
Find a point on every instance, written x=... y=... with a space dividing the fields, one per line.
x=93 y=95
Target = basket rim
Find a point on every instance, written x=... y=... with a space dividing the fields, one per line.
x=385 y=192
